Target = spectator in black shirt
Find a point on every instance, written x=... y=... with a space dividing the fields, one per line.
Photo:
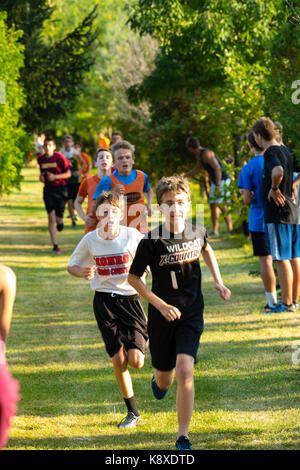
x=280 y=212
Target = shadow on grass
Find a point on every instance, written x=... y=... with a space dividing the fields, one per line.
x=82 y=391
x=138 y=439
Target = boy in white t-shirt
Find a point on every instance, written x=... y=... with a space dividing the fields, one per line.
x=104 y=257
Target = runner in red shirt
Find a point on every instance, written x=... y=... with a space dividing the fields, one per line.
x=55 y=171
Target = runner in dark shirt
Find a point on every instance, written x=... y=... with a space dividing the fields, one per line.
x=55 y=171
x=175 y=320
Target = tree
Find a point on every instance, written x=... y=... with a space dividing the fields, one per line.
x=12 y=135
x=122 y=58
x=52 y=73
x=211 y=72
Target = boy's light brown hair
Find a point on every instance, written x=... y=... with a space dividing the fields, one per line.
x=172 y=183
x=110 y=198
x=265 y=128
x=123 y=144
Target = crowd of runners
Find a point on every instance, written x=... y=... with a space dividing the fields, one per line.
x=118 y=251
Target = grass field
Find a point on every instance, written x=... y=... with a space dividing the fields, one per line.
x=247 y=387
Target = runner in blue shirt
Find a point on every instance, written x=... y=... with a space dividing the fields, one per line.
x=250 y=182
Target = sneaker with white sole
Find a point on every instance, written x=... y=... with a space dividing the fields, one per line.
x=279 y=308
x=130 y=421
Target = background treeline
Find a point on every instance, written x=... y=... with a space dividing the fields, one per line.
x=157 y=70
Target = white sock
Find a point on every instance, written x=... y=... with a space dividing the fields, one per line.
x=271 y=298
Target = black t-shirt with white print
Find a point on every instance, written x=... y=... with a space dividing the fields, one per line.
x=174 y=263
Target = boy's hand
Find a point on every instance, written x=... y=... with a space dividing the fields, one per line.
x=90 y=219
x=119 y=189
x=224 y=292
x=51 y=177
x=170 y=313
x=88 y=272
x=277 y=197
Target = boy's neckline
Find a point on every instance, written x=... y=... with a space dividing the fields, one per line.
x=108 y=239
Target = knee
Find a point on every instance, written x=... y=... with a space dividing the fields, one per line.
x=185 y=370
x=119 y=360
x=135 y=359
x=164 y=381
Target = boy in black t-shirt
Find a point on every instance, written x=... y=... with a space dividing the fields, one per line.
x=175 y=320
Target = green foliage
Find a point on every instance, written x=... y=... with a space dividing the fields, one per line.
x=14 y=142
x=221 y=65
x=122 y=58
x=53 y=73
x=282 y=98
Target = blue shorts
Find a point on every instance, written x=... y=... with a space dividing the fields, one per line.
x=283 y=241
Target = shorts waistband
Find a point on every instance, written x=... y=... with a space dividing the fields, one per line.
x=114 y=295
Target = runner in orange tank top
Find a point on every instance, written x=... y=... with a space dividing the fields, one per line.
x=88 y=187
x=133 y=184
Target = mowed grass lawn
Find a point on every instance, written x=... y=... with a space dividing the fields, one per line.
x=247 y=386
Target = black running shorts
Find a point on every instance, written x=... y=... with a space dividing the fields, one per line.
x=167 y=339
x=259 y=243
x=72 y=190
x=55 y=199
x=122 y=321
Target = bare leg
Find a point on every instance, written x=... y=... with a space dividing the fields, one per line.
x=185 y=392
x=285 y=275
x=267 y=273
x=214 y=210
x=122 y=375
x=71 y=209
x=295 y=263
x=135 y=358
x=227 y=218
x=164 y=379
x=52 y=227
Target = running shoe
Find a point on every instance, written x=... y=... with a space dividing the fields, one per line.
x=296 y=305
x=268 y=308
x=157 y=392
x=130 y=421
x=56 y=251
x=74 y=223
x=213 y=234
x=279 y=308
x=183 y=443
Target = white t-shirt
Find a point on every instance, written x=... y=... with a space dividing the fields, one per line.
x=113 y=259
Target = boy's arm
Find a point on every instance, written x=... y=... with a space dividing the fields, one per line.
x=62 y=176
x=88 y=272
x=212 y=264
x=81 y=261
x=7 y=298
x=78 y=206
x=149 y=197
x=247 y=196
x=169 y=312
